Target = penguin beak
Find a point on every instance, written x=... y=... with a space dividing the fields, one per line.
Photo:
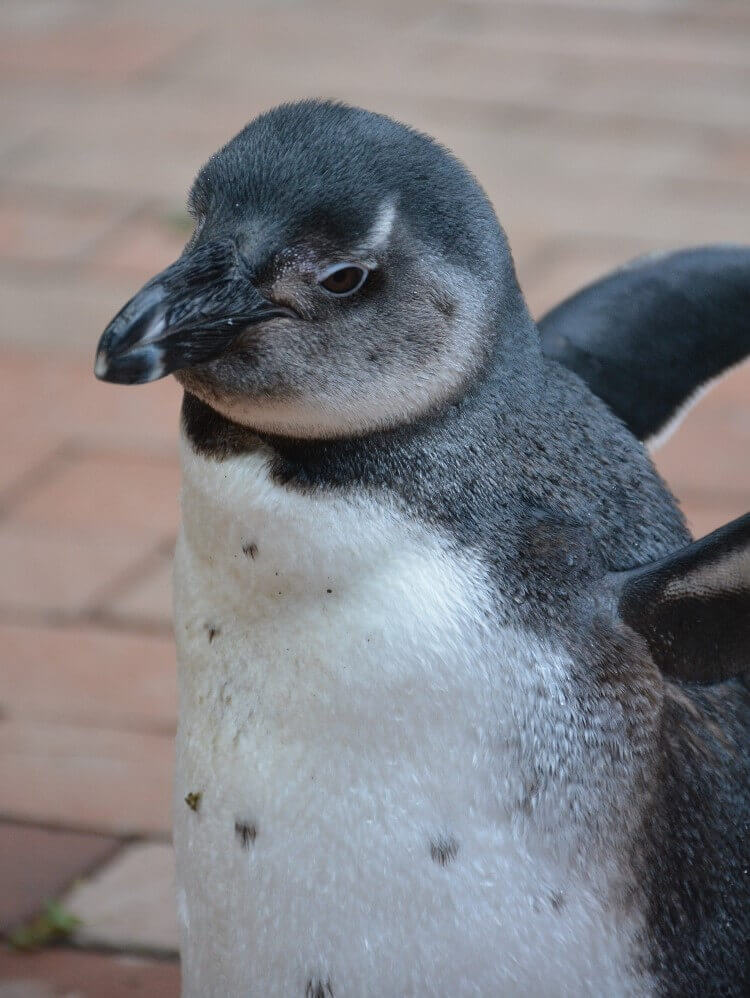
x=188 y=315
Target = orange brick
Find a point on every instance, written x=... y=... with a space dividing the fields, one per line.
x=705 y=461
x=38 y=864
x=115 y=159
x=708 y=454
x=142 y=247
x=110 y=491
x=62 y=572
x=147 y=600
x=58 y=972
x=49 y=309
x=88 y=676
x=46 y=400
x=18 y=462
x=51 y=230
x=567 y=266
x=728 y=399
x=92 y=53
x=706 y=512
x=129 y=904
x=87 y=778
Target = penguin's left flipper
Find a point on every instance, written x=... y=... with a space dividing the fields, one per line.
x=648 y=337
x=693 y=607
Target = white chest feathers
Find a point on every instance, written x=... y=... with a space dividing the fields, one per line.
x=349 y=730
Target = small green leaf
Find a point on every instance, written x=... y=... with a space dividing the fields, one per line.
x=54 y=923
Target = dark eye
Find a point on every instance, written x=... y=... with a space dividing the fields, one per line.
x=343 y=279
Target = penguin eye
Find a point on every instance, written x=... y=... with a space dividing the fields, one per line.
x=343 y=279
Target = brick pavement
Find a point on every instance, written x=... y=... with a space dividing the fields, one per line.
x=599 y=130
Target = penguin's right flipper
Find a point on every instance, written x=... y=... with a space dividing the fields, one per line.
x=693 y=607
x=647 y=337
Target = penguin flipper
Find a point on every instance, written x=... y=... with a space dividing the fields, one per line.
x=648 y=336
x=693 y=607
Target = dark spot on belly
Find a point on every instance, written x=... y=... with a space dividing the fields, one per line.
x=444 y=849
x=246 y=833
x=318 y=989
x=211 y=631
x=329 y=591
x=251 y=550
x=193 y=799
x=557 y=901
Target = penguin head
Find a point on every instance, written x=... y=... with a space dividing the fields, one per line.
x=345 y=273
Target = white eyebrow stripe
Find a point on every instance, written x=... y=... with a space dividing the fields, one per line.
x=378 y=235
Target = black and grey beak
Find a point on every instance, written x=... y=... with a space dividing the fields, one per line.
x=187 y=315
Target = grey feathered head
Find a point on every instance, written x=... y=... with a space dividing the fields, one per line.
x=345 y=272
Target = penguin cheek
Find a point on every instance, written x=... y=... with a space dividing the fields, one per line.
x=266 y=362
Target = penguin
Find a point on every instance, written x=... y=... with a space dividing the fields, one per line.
x=653 y=336
x=443 y=725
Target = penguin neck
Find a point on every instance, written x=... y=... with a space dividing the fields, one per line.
x=512 y=369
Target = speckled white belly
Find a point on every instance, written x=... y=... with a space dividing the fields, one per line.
x=344 y=728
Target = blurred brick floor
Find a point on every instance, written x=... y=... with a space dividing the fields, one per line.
x=600 y=131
